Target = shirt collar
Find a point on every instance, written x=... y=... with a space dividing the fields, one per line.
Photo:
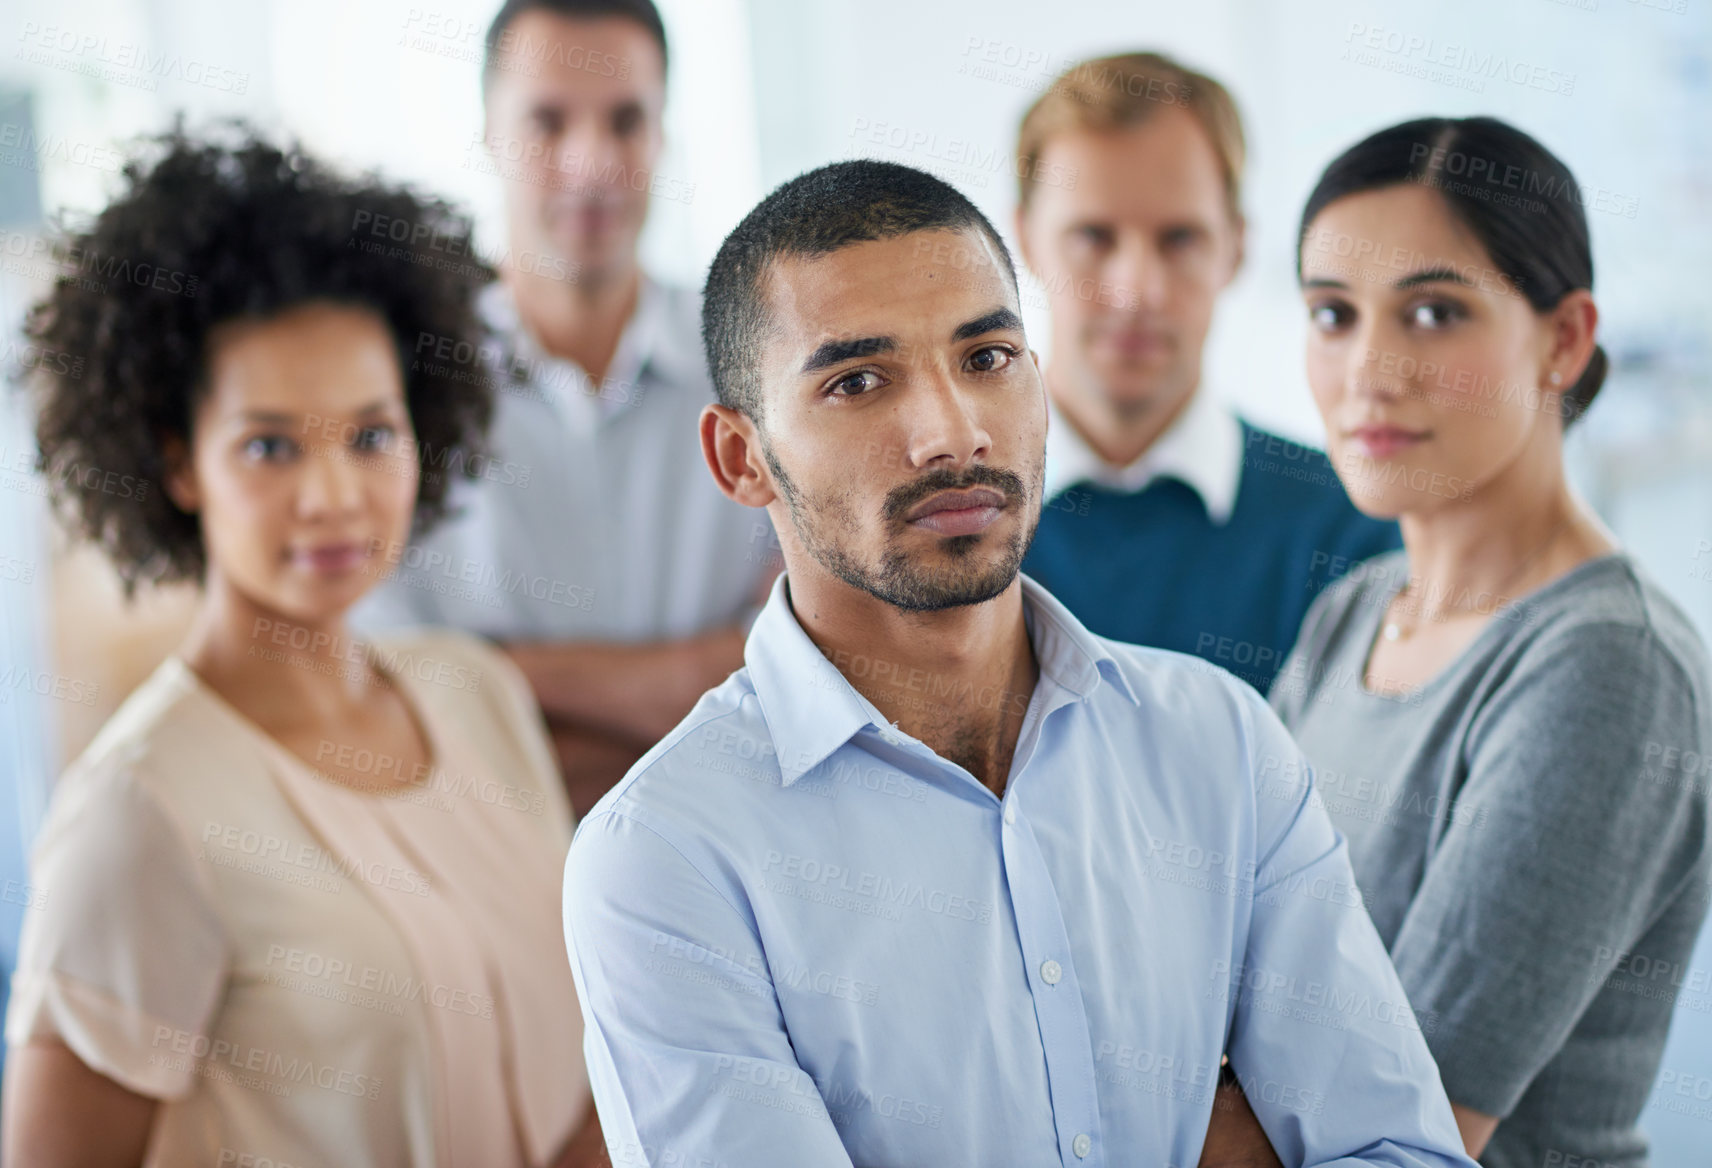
x=1202 y=447
x=641 y=344
x=811 y=709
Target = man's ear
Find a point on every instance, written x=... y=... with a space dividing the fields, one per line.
x=731 y=444
x=180 y=485
x=1239 y=243
x=1018 y=225
x=486 y=127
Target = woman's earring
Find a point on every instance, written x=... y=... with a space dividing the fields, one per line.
x=1556 y=377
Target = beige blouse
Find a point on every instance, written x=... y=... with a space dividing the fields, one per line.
x=302 y=972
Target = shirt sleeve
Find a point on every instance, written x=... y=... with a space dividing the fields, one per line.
x=686 y=1045
x=126 y=959
x=1558 y=855
x=1323 y=1040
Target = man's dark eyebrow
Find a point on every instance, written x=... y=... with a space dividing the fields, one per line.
x=830 y=353
x=998 y=320
x=1433 y=276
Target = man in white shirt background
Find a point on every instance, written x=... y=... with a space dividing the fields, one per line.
x=592 y=546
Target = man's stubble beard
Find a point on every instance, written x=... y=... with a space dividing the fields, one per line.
x=898 y=580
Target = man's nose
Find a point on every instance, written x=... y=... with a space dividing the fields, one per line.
x=1137 y=273
x=945 y=426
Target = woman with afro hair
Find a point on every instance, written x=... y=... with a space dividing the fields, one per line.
x=301 y=892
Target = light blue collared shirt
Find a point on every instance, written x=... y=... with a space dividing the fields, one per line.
x=804 y=939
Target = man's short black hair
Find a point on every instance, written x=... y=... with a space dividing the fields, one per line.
x=642 y=12
x=813 y=215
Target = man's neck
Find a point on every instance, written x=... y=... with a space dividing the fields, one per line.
x=577 y=322
x=1119 y=433
x=959 y=680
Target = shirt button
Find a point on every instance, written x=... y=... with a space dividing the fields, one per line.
x=1010 y=813
x=1082 y=1145
x=1051 y=973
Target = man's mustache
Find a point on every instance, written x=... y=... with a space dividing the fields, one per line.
x=902 y=499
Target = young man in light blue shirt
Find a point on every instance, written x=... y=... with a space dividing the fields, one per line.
x=940 y=877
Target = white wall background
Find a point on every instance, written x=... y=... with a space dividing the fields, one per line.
x=762 y=89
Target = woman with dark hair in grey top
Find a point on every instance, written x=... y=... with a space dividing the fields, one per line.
x=1508 y=719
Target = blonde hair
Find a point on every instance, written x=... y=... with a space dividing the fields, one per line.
x=1109 y=93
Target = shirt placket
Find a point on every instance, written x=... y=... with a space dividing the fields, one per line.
x=1045 y=941
x=1058 y=1009
x=1044 y=938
